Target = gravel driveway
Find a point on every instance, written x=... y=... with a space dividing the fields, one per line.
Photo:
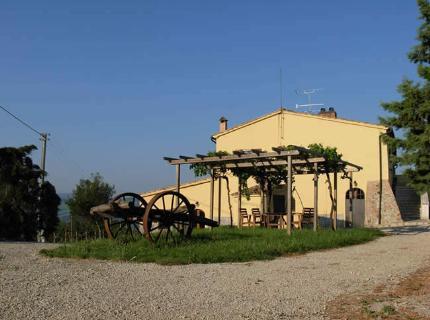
x=298 y=287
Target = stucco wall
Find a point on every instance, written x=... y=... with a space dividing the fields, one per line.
x=358 y=143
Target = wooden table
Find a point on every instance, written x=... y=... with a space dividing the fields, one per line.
x=274 y=220
x=279 y=220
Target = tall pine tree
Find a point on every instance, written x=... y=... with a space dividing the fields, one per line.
x=411 y=115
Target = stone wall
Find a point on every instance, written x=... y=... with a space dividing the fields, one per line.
x=390 y=210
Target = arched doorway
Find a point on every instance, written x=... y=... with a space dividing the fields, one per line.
x=354 y=208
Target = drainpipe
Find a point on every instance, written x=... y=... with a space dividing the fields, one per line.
x=380 y=180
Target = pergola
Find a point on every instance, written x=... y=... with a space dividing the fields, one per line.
x=295 y=162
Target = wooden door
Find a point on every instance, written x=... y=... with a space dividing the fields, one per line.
x=355 y=208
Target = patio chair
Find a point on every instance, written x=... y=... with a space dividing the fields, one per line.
x=245 y=218
x=308 y=216
x=257 y=217
x=297 y=220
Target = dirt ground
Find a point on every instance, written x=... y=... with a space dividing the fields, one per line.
x=388 y=277
x=407 y=298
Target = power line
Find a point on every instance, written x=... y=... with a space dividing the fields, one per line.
x=44 y=135
x=21 y=121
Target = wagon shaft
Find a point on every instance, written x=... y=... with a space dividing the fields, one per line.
x=113 y=210
x=168 y=217
x=123 y=215
x=205 y=221
x=102 y=209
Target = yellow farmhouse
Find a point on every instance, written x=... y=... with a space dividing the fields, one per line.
x=359 y=142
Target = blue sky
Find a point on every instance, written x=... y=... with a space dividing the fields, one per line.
x=120 y=84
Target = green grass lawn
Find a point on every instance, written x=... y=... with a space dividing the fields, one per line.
x=217 y=245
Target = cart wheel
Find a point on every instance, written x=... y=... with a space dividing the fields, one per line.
x=169 y=217
x=129 y=224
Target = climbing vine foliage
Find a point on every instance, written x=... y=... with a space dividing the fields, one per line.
x=279 y=173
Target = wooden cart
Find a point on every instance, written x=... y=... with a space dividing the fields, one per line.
x=169 y=216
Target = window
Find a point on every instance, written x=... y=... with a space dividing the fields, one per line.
x=357 y=193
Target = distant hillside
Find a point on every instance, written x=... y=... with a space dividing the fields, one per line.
x=63 y=210
x=64 y=196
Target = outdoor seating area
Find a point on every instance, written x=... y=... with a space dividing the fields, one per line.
x=276 y=220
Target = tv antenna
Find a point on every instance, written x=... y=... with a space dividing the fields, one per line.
x=308 y=93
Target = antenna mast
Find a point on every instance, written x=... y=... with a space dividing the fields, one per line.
x=308 y=93
x=281 y=93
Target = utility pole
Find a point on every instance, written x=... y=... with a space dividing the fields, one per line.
x=44 y=139
x=40 y=230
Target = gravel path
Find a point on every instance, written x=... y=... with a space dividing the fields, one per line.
x=35 y=287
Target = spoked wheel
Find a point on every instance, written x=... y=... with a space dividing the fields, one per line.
x=169 y=217
x=129 y=218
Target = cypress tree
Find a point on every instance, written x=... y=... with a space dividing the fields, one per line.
x=411 y=115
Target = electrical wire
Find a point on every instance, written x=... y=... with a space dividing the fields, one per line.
x=21 y=121
x=56 y=146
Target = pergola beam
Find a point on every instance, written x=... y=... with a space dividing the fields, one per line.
x=245 y=156
x=277 y=149
x=266 y=163
x=356 y=167
x=258 y=151
x=267 y=160
x=238 y=152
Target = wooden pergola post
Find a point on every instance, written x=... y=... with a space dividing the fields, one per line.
x=289 y=193
x=262 y=200
x=315 y=196
x=178 y=178
x=178 y=182
x=239 y=203
x=351 y=208
x=219 y=199
x=335 y=201
x=211 y=198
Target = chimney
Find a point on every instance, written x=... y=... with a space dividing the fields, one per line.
x=222 y=124
x=330 y=113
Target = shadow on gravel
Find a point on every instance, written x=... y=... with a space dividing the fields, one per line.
x=407 y=299
x=406 y=230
